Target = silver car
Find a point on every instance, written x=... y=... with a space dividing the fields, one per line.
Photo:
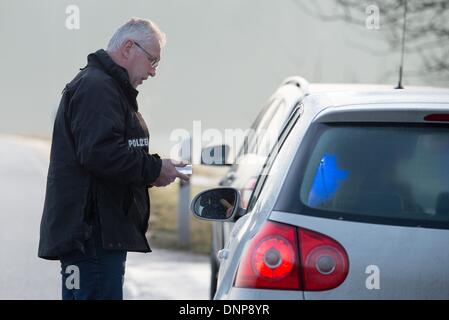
x=247 y=165
x=352 y=203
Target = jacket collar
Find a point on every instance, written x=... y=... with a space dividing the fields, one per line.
x=101 y=58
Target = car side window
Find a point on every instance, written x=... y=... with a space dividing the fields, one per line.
x=269 y=134
x=262 y=131
x=291 y=122
x=261 y=119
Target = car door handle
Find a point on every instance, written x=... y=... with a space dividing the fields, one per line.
x=223 y=254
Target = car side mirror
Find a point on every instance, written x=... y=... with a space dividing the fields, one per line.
x=218 y=204
x=215 y=155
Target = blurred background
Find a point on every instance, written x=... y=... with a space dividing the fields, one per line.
x=222 y=61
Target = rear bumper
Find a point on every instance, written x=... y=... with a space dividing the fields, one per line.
x=260 y=294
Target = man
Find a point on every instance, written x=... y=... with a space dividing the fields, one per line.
x=97 y=205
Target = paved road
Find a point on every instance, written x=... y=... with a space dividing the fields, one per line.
x=23 y=165
x=166 y=275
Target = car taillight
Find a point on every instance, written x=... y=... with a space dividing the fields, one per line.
x=271 y=260
x=437 y=117
x=284 y=257
x=324 y=261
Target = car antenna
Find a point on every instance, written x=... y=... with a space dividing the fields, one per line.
x=403 y=46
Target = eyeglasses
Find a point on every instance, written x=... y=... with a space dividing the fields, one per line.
x=153 y=61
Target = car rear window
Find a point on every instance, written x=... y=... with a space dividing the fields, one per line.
x=395 y=174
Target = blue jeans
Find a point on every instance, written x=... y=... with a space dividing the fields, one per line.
x=96 y=274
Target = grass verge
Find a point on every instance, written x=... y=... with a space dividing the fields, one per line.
x=163 y=231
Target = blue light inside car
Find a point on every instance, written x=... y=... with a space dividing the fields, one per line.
x=327 y=180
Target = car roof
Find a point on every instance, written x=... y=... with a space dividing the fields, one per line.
x=335 y=95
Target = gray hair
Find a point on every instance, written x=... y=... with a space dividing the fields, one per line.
x=137 y=29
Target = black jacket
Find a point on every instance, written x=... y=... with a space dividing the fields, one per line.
x=99 y=164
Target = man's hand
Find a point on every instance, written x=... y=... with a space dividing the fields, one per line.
x=169 y=173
